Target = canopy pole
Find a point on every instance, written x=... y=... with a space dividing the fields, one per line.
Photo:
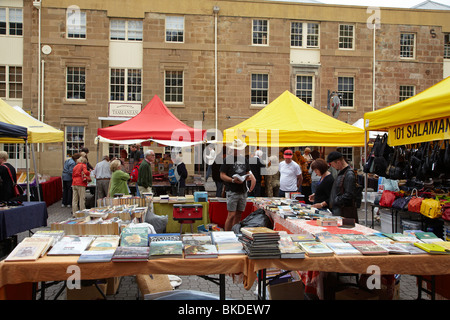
x=27 y=170
x=36 y=175
x=366 y=178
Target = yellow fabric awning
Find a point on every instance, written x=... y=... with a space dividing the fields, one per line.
x=423 y=117
x=289 y=122
x=38 y=132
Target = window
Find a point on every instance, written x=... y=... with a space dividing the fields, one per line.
x=260 y=32
x=346 y=36
x=312 y=38
x=346 y=89
x=173 y=86
x=347 y=152
x=260 y=89
x=11 y=82
x=76 y=83
x=129 y=90
x=406 y=92
x=115 y=150
x=447 y=46
x=76 y=24
x=126 y=30
x=407 y=45
x=304 y=35
x=74 y=139
x=11 y=21
x=174 y=29
x=304 y=88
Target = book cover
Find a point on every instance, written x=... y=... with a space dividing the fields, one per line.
x=123 y=254
x=196 y=238
x=427 y=237
x=241 y=178
x=166 y=249
x=55 y=234
x=224 y=248
x=411 y=248
x=223 y=236
x=327 y=237
x=316 y=249
x=134 y=237
x=90 y=256
x=290 y=249
x=394 y=248
x=302 y=237
x=400 y=237
x=431 y=248
x=164 y=237
x=71 y=245
x=369 y=248
x=444 y=244
x=29 y=249
x=259 y=232
x=200 y=251
x=343 y=249
x=105 y=242
x=350 y=237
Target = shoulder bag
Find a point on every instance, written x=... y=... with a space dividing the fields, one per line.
x=414 y=203
x=431 y=208
x=18 y=191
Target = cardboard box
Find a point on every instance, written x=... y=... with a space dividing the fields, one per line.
x=355 y=294
x=89 y=292
x=112 y=285
x=292 y=290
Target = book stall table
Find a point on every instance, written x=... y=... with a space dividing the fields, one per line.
x=22 y=218
x=50 y=190
x=423 y=264
x=56 y=268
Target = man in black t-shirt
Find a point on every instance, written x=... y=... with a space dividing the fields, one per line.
x=236 y=163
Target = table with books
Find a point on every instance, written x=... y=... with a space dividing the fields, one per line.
x=324 y=251
x=50 y=255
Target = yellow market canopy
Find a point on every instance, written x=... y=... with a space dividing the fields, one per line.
x=423 y=117
x=38 y=132
x=289 y=122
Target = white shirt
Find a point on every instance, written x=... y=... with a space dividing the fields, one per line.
x=288 y=175
x=211 y=157
x=102 y=170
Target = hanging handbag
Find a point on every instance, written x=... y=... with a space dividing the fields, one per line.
x=380 y=163
x=431 y=208
x=387 y=198
x=400 y=203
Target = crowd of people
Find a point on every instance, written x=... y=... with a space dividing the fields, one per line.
x=325 y=184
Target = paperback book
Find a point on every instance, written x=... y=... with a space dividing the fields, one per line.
x=223 y=236
x=316 y=249
x=427 y=237
x=166 y=249
x=343 y=249
x=326 y=237
x=71 y=245
x=369 y=248
x=290 y=249
x=431 y=248
x=302 y=237
x=394 y=248
x=30 y=249
x=196 y=239
x=402 y=237
x=55 y=234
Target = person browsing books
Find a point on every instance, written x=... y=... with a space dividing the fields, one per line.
x=321 y=197
x=290 y=174
x=236 y=187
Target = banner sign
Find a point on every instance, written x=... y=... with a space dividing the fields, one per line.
x=430 y=130
x=124 y=109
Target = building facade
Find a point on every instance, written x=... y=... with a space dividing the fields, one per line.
x=84 y=65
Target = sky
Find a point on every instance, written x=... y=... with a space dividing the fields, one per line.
x=383 y=3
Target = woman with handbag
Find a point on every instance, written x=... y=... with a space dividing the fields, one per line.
x=8 y=178
x=80 y=179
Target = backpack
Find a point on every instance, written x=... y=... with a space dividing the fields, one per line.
x=174 y=176
x=134 y=173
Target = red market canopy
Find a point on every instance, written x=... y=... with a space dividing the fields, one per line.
x=154 y=123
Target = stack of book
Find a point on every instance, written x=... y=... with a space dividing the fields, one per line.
x=56 y=235
x=101 y=249
x=260 y=242
x=198 y=245
x=165 y=245
x=133 y=245
x=227 y=242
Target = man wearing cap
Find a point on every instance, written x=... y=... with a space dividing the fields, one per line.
x=342 y=198
x=290 y=174
x=236 y=189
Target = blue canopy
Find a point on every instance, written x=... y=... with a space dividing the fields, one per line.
x=13 y=131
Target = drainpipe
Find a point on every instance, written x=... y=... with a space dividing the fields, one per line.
x=216 y=12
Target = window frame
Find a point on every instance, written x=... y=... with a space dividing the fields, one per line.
x=172 y=87
x=342 y=37
x=344 y=93
x=70 y=33
x=408 y=45
x=261 y=32
x=306 y=36
x=254 y=98
x=79 y=143
x=446 y=45
x=166 y=29
x=8 y=83
x=125 y=84
x=127 y=30
x=403 y=89
x=297 y=76
x=75 y=83
x=8 y=22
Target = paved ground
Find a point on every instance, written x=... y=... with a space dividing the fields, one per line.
x=128 y=289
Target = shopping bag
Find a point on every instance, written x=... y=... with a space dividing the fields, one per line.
x=431 y=208
x=387 y=198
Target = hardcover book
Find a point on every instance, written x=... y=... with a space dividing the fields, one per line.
x=196 y=238
x=164 y=237
x=200 y=251
x=290 y=249
x=29 y=249
x=134 y=237
x=89 y=256
x=316 y=249
x=302 y=237
x=71 y=245
x=369 y=248
x=224 y=248
x=166 y=249
x=394 y=248
x=259 y=233
x=343 y=249
x=223 y=236
x=427 y=237
x=431 y=248
x=327 y=237
x=124 y=254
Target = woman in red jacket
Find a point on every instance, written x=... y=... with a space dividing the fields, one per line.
x=80 y=179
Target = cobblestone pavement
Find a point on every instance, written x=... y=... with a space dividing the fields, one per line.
x=128 y=289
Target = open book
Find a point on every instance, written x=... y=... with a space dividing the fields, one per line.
x=241 y=178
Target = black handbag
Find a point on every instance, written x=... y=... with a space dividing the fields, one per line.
x=400 y=203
